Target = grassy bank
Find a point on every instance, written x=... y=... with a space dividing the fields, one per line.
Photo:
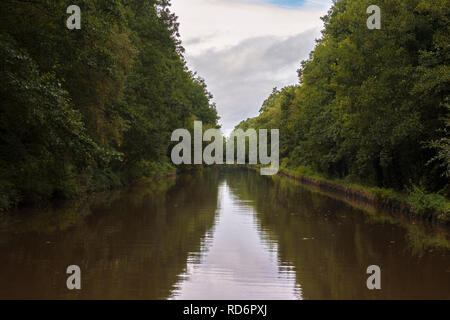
x=415 y=201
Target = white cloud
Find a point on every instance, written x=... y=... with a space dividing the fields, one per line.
x=245 y=49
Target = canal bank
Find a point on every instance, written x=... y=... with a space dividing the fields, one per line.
x=417 y=207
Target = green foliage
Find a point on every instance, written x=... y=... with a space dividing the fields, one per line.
x=151 y=169
x=442 y=145
x=371 y=106
x=85 y=110
x=424 y=203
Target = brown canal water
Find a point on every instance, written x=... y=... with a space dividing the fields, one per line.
x=219 y=234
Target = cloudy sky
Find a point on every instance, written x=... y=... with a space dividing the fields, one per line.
x=244 y=48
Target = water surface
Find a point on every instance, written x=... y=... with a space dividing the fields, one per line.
x=219 y=234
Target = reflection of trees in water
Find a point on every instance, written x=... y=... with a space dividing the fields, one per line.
x=331 y=244
x=135 y=246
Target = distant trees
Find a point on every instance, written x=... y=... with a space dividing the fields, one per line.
x=91 y=108
x=371 y=105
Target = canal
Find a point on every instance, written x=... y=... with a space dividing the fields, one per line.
x=219 y=234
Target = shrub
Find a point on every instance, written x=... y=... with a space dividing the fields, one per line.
x=424 y=203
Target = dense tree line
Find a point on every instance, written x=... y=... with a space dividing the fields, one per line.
x=371 y=106
x=92 y=108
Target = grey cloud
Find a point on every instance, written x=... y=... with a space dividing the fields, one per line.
x=241 y=77
x=198 y=40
